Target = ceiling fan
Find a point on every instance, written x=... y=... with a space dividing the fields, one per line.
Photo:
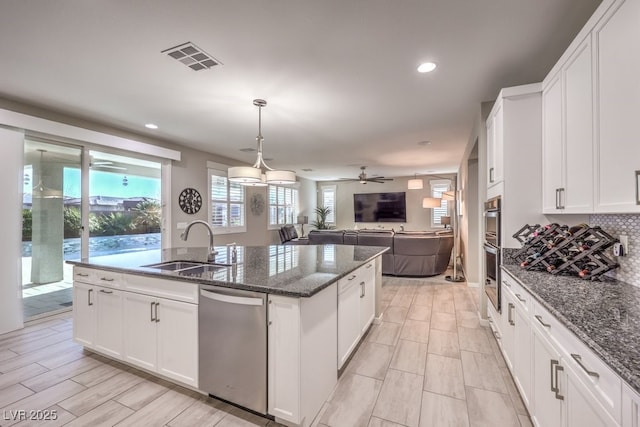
x=362 y=178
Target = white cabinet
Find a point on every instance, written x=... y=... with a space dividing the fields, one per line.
x=495 y=144
x=349 y=328
x=97 y=318
x=302 y=349
x=161 y=335
x=356 y=308
x=84 y=318
x=508 y=329
x=582 y=407
x=141 y=328
x=547 y=410
x=618 y=93
x=630 y=407
x=108 y=322
x=367 y=304
x=568 y=135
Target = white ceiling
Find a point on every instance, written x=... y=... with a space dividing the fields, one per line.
x=339 y=76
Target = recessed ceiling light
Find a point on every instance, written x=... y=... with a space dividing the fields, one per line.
x=151 y=126
x=427 y=67
x=424 y=143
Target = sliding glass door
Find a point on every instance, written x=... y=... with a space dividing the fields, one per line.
x=110 y=207
x=51 y=224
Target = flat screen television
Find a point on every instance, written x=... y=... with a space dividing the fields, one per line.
x=380 y=207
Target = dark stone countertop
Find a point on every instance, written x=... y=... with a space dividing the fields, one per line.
x=292 y=270
x=604 y=315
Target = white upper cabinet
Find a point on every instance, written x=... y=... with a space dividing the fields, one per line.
x=568 y=135
x=616 y=38
x=591 y=101
x=495 y=144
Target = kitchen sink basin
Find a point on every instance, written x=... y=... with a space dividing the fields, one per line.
x=201 y=269
x=188 y=267
x=174 y=265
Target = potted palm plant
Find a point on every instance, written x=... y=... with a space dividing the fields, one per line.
x=321 y=213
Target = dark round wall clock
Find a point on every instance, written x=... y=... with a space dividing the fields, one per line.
x=190 y=200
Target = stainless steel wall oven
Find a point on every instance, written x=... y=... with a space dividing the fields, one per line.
x=492 y=247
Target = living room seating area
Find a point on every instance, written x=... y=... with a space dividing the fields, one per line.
x=411 y=253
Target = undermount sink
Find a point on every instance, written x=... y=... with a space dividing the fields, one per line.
x=188 y=267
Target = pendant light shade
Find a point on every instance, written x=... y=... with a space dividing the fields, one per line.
x=281 y=177
x=244 y=174
x=431 y=202
x=260 y=174
x=415 y=184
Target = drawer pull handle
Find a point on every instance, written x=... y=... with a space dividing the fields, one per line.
x=82 y=274
x=520 y=298
x=539 y=319
x=106 y=279
x=153 y=319
x=511 y=322
x=369 y=265
x=496 y=334
x=506 y=283
x=105 y=292
x=352 y=277
x=555 y=367
x=89 y=302
x=578 y=360
x=362 y=290
x=157 y=316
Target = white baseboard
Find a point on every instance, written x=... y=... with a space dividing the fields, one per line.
x=473 y=284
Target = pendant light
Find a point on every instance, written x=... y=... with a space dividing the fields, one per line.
x=415 y=183
x=255 y=175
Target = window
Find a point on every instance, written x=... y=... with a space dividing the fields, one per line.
x=328 y=200
x=283 y=205
x=437 y=188
x=227 y=210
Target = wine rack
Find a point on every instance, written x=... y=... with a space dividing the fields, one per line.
x=559 y=249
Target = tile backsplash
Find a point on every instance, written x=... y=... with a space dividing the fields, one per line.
x=623 y=224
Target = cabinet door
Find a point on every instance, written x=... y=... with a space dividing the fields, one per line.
x=367 y=298
x=552 y=152
x=577 y=196
x=547 y=407
x=348 y=320
x=618 y=95
x=522 y=355
x=582 y=408
x=508 y=327
x=109 y=322
x=140 y=330
x=284 y=357
x=491 y=138
x=84 y=299
x=498 y=147
x=630 y=407
x=177 y=332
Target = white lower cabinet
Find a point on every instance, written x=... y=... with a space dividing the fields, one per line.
x=97 y=318
x=367 y=297
x=302 y=347
x=161 y=335
x=630 y=407
x=561 y=381
x=547 y=409
x=349 y=328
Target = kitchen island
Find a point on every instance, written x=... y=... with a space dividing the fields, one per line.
x=146 y=310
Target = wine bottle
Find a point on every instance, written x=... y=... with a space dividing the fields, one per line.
x=573 y=230
x=587 y=269
x=553 y=265
x=528 y=260
x=556 y=241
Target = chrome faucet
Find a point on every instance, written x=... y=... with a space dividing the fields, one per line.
x=211 y=256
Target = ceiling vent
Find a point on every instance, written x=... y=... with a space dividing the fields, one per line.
x=192 y=56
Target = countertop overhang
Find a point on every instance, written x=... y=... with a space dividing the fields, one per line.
x=291 y=270
x=605 y=315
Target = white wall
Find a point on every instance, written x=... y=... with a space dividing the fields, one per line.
x=11 y=175
x=418 y=218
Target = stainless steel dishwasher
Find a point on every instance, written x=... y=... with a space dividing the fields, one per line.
x=232 y=329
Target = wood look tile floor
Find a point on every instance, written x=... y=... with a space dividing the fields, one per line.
x=428 y=363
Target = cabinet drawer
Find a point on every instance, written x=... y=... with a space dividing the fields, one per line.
x=94 y=276
x=352 y=279
x=170 y=289
x=520 y=295
x=596 y=376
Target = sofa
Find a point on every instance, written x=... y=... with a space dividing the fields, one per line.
x=411 y=253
